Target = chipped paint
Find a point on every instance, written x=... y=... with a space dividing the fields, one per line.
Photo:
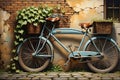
x=86 y=11
x=5 y=38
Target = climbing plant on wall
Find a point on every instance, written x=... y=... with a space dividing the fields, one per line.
x=34 y=16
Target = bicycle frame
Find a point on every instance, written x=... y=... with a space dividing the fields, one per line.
x=68 y=31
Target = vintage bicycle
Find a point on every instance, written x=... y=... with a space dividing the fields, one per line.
x=100 y=52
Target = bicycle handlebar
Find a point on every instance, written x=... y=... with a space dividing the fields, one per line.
x=85 y=25
x=54 y=17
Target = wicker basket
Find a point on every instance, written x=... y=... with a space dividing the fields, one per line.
x=31 y=29
x=102 y=27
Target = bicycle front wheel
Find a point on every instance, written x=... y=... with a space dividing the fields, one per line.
x=32 y=63
x=109 y=52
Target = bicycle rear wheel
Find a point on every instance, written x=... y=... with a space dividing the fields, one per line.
x=109 y=52
x=32 y=63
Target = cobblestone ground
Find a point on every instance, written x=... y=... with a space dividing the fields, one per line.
x=60 y=76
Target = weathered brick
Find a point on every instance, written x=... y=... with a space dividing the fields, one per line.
x=96 y=78
x=106 y=78
x=76 y=75
x=72 y=78
x=65 y=75
x=60 y=78
x=24 y=78
x=36 y=78
x=116 y=78
x=52 y=74
x=82 y=78
x=45 y=78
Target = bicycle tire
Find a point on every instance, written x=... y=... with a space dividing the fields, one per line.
x=110 y=52
x=30 y=63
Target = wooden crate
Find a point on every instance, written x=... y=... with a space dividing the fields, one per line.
x=102 y=27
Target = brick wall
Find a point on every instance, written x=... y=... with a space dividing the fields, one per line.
x=12 y=6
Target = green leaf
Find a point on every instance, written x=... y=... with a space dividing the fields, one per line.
x=35 y=24
x=17 y=71
x=16 y=58
x=21 y=31
x=13 y=64
x=23 y=10
x=37 y=17
x=32 y=20
x=29 y=15
x=21 y=39
x=39 y=11
x=22 y=14
x=49 y=14
x=16 y=43
x=32 y=15
x=19 y=17
x=11 y=60
x=20 y=21
x=35 y=12
x=43 y=15
x=15 y=31
x=17 y=36
x=42 y=21
x=14 y=50
x=29 y=21
x=46 y=11
x=27 y=12
x=25 y=17
x=18 y=26
x=14 y=68
x=24 y=23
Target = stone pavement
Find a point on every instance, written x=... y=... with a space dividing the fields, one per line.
x=60 y=76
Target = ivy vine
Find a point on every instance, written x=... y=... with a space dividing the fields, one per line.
x=30 y=15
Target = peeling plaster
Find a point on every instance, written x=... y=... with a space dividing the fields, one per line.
x=5 y=38
x=87 y=11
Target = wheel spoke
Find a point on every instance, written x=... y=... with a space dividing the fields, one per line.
x=109 y=48
x=110 y=53
x=30 y=62
x=104 y=45
x=99 y=44
x=32 y=45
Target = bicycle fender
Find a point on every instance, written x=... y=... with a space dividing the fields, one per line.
x=93 y=38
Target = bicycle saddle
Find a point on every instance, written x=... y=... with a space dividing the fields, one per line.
x=53 y=19
x=85 y=25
